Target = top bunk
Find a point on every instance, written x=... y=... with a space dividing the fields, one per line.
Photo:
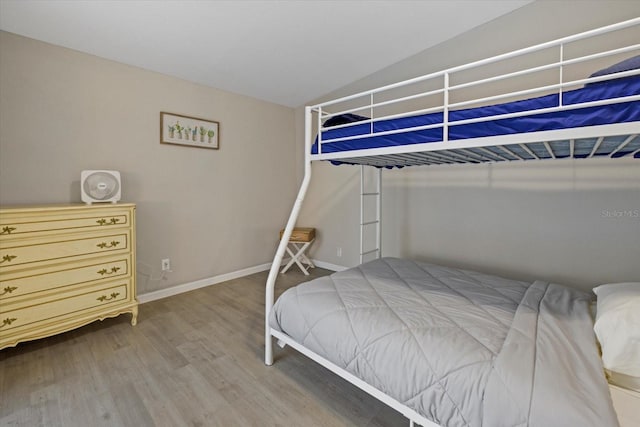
x=576 y=97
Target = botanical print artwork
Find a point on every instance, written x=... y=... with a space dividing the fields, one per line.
x=191 y=131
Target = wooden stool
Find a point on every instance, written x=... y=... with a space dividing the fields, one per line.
x=300 y=240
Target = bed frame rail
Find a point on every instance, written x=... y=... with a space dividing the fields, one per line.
x=367 y=101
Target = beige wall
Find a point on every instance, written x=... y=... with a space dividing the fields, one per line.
x=211 y=212
x=542 y=220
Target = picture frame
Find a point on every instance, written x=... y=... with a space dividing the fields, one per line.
x=179 y=129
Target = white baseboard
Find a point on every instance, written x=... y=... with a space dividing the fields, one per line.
x=321 y=264
x=186 y=287
x=328 y=266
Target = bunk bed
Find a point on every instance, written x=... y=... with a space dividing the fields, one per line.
x=446 y=346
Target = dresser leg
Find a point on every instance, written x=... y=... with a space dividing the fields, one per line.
x=134 y=316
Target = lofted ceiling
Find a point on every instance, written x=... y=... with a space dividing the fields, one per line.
x=285 y=52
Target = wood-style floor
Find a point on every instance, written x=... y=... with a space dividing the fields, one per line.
x=195 y=359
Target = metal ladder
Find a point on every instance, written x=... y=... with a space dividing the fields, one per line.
x=366 y=226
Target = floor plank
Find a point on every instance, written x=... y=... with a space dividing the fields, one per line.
x=194 y=359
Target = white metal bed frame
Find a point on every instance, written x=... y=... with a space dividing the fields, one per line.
x=449 y=152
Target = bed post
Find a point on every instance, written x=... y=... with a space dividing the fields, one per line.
x=277 y=260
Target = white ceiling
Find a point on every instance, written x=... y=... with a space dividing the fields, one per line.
x=286 y=52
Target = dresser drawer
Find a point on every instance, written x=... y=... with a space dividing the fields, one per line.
x=64 y=304
x=27 y=224
x=58 y=249
x=62 y=276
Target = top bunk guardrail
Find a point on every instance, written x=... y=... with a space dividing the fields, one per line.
x=548 y=104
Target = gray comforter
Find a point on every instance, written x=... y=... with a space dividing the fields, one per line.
x=460 y=348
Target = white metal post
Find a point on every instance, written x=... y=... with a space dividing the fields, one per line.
x=445 y=112
x=362 y=214
x=561 y=71
x=277 y=260
x=379 y=215
x=319 y=125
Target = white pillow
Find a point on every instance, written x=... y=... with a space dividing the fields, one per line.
x=617 y=327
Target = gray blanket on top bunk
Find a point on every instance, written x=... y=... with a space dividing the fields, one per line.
x=460 y=348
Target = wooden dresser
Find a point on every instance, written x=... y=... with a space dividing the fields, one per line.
x=64 y=266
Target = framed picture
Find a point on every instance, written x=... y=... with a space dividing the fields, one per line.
x=190 y=131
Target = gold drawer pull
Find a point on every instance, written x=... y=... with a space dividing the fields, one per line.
x=7 y=321
x=106 y=298
x=8 y=290
x=112 y=221
x=8 y=258
x=105 y=271
x=104 y=245
x=7 y=230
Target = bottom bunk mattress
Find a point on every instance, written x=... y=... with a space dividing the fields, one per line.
x=460 y=348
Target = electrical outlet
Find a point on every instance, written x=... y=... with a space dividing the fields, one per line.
x=339 y=252
x=166 y=264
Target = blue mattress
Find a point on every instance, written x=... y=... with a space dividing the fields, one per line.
x=579 y=117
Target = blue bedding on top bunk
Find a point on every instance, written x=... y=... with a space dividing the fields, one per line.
x=579 y=117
